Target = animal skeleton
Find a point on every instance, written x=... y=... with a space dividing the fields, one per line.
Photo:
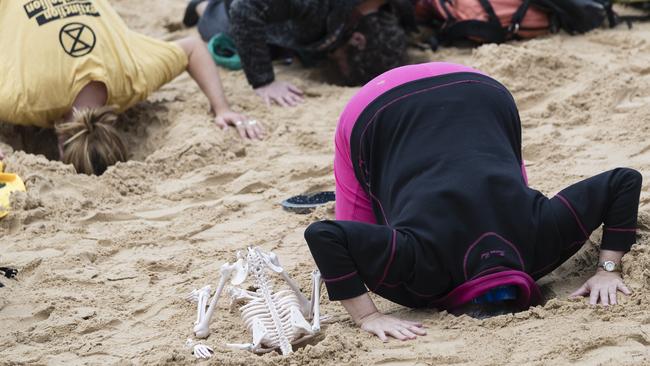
x=276 y=320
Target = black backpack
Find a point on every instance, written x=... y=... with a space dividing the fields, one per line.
x=578 y=16
x=573 y=16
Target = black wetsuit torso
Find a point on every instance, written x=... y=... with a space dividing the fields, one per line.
x=441 y=160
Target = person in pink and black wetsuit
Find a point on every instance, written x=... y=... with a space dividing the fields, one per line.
x=433 y=207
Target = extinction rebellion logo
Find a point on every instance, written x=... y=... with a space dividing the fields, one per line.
x=45 y=11
x=77 y=39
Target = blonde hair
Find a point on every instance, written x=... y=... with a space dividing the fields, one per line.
x=92 y=142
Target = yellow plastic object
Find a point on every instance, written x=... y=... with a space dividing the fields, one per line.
x=8 y=183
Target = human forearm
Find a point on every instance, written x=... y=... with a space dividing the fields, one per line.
x=203 y=70
x=360 y=308
x=365 y=314
x=249 y=20
x=249 y=36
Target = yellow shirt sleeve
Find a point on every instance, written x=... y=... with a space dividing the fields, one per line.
x=157 y=63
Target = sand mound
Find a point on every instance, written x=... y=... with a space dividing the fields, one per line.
x=105 y=261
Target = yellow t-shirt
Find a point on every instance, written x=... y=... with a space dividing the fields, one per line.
x=50 y=49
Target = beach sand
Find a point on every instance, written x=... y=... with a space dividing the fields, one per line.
x=105 y=262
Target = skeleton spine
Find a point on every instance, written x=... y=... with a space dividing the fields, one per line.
x=263 y=284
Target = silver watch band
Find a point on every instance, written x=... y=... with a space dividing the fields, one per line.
x=610 y=266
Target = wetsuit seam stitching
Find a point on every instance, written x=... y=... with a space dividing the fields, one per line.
x=620 y=229
x=483 y=236
x=575 y=215
x=340 y=278
x=374 y=117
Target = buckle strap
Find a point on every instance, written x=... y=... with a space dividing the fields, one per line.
x=492 y=15
x=518 y=17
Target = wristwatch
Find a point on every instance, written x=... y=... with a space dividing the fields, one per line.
x=609 y=266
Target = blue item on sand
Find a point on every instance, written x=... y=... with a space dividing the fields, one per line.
x=497 y=294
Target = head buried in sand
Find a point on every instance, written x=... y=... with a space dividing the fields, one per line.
x=90 y=141
x=377 y=44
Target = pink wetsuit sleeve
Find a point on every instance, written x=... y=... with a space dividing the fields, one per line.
x=352 y=202
x=523 y=171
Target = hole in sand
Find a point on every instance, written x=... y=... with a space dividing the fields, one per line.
x=558 y=284
x=144 y=128
x=316 y=339
x=311 y=341
x=484 y=311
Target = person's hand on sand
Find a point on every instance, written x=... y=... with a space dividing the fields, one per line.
x=383 y=326
x=247 y=128
x=602 y=287
x=282 y=93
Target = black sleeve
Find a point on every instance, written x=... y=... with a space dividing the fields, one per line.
x=610 y=198
x=347 y=253
x=248 y=22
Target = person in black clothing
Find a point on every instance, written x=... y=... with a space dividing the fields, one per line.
x=363 y=37
x=437 y=155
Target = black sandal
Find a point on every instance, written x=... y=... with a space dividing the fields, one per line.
x=306 y=203
x=191 y=17
x=8 y=272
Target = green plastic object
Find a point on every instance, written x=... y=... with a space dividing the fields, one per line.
x=223 y=51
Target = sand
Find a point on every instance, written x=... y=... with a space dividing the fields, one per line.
x=106 y=261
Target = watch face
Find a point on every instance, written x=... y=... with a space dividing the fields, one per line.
x=609 y=266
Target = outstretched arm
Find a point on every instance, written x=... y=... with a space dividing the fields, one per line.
x=202 y=69
x=610 y=199
x=339 y=249
x=249 y=20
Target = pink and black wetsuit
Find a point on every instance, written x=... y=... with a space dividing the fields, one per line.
x=431 y=195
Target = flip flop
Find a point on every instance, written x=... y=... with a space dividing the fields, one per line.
x=9 y=272
x=305 y=203
x=191 y=17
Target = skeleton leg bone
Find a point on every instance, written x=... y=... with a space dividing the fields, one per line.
x=202 y=329
x=274 y=263
x=202 y=302
x=314 y=308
